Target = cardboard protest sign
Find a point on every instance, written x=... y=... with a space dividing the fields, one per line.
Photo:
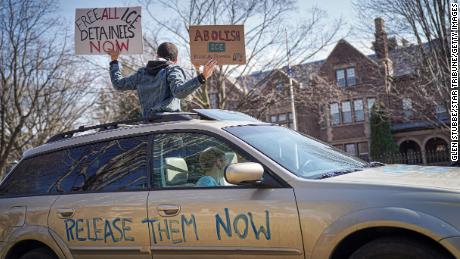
x=98 y=30
x=225 y=43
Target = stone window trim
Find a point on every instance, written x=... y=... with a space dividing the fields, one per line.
x=345 y=66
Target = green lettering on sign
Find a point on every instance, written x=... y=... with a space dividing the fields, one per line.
x=216 y=46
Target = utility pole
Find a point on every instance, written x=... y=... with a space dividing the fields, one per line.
x=291 y=87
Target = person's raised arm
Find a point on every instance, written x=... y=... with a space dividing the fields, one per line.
x=118 y=81
x=180 y=88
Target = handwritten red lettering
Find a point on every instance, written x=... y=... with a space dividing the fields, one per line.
x=217 y=35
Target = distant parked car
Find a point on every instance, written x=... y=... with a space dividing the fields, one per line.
x=222 y=186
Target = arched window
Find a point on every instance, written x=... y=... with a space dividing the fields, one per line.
x=410 y=152
x=436 y=150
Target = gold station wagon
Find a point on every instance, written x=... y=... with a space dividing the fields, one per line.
x=222 y=185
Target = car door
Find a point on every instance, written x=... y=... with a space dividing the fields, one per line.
x=101 y=211
x=195 y=213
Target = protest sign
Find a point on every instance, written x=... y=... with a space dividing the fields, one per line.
x=98 y=30
x=225 y=43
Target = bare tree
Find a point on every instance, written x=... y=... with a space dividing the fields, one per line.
x=267 y=25
x=42 y=88
x=426 y=22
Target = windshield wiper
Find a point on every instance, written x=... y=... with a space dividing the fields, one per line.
x=374 y=164
x=337 y=173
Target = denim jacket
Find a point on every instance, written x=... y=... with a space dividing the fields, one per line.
x=160 y=85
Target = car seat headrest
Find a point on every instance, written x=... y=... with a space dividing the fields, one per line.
x=176 y=171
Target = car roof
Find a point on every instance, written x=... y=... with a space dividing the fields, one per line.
x=138 y=129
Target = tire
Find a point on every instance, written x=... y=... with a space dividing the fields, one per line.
x=39 y=253
x=398 y=248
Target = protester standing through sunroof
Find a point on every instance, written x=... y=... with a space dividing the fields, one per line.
x=162 y=83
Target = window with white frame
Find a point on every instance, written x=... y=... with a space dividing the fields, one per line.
x=351 y=79
x=282 y=117
x=359 y=110
x=340 y=77
x=350 y=149
x=407 y=108
x=345 y=76
x=346 y=112
x=335 y=115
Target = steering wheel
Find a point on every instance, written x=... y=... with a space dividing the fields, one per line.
x=305 y=164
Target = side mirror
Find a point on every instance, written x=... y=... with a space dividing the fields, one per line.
x=240 y=173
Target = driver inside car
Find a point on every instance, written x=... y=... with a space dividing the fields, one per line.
x=213 y=162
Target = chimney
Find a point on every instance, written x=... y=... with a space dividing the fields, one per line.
x=381 y=39
x=381 y=46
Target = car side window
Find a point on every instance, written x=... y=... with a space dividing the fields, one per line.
x=191 y=160
x=35 y=175
x=115 y=165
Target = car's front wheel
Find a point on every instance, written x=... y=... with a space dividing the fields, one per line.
x=398 y=248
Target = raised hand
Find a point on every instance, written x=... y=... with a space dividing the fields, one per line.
x=114 y=54
x=209 y=68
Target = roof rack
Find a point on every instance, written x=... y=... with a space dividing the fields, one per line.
x=204 y=114
x=156 y=118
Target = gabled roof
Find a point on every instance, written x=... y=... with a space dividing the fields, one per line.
x=346 y=44
x=402 y=58
x=301 y=74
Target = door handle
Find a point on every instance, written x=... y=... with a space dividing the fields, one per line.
x=65 y=213
x=168 y=210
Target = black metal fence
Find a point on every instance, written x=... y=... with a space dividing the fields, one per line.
x=415 y=158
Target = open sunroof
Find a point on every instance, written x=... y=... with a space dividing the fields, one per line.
x=217 y=114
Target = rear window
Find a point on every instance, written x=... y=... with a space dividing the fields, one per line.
x=34 y=175
x=115 y=165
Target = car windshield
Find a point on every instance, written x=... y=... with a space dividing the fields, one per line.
x=302 y=155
